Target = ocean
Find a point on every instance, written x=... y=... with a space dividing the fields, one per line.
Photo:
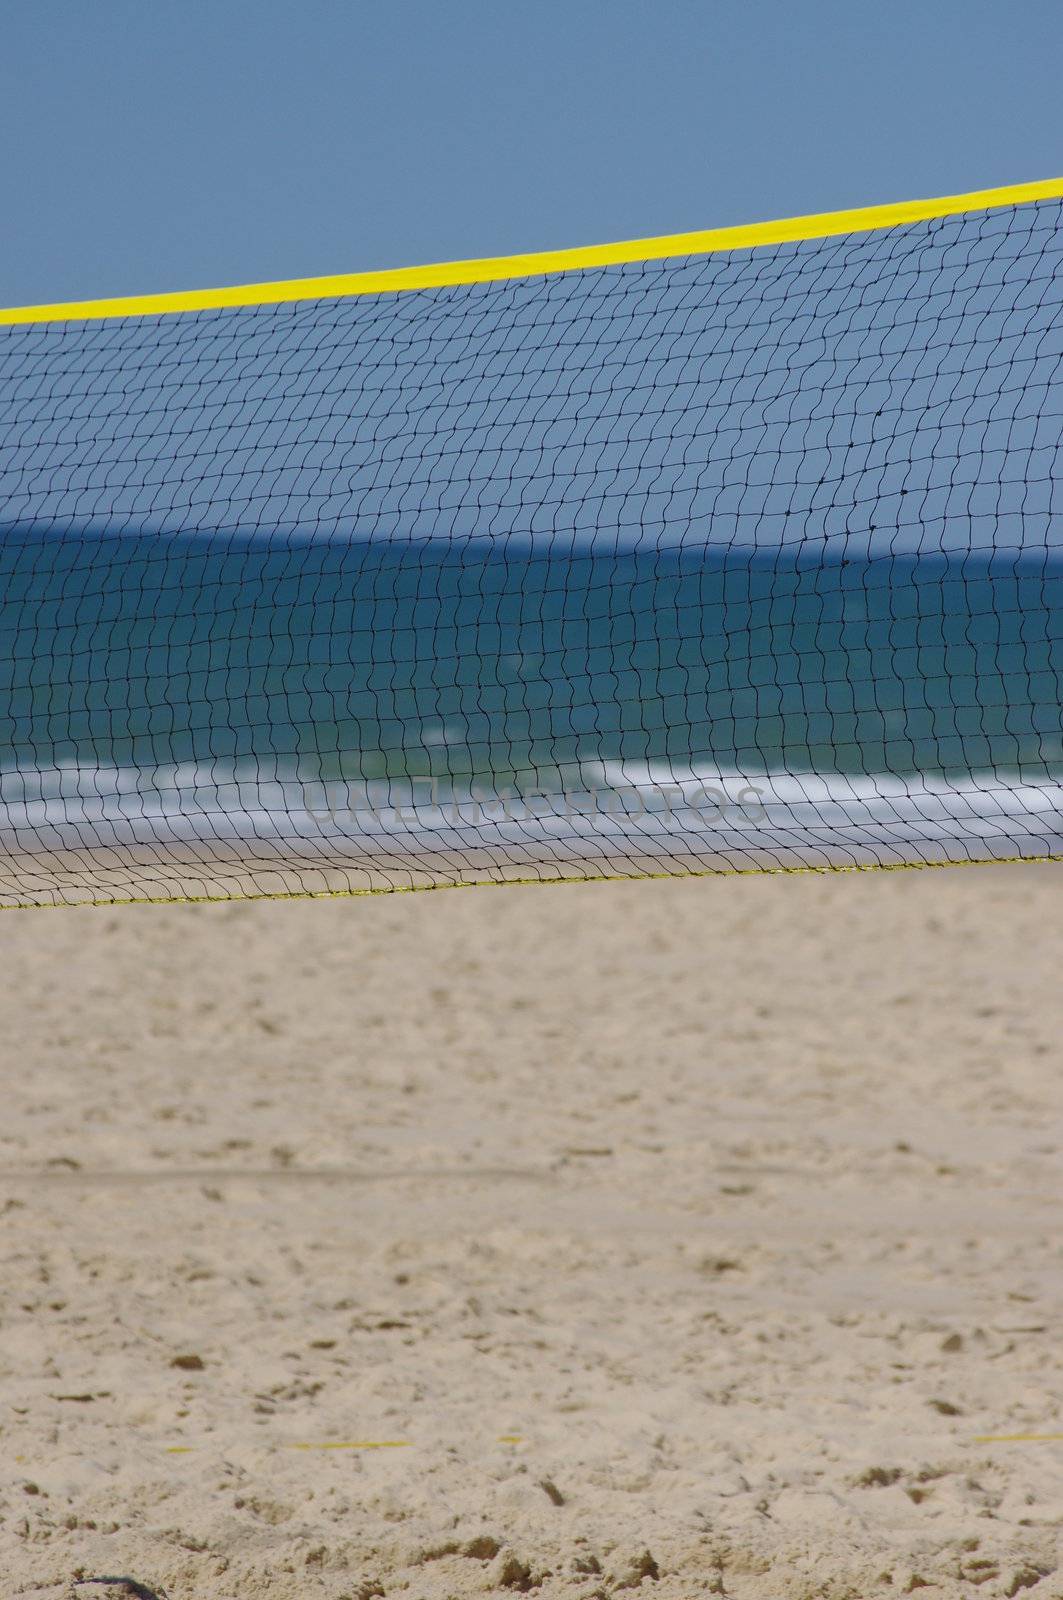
x=459 y=708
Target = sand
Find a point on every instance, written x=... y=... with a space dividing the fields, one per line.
x=687 y=1237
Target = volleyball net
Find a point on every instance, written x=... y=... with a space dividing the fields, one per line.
x=733 y=551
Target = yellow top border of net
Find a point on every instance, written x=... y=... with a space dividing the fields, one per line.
x=493 y=269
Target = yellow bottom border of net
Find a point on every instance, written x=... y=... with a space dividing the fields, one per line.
x=539 y=882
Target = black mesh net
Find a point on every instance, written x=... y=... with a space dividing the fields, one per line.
x=750 y=560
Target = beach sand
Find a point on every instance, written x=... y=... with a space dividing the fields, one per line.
x=687 y=1237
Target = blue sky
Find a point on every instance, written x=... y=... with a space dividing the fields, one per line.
x=152 y=145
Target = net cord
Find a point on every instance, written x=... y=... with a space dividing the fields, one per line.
x=492 y=269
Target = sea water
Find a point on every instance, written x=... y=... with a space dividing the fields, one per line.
x=702 y=706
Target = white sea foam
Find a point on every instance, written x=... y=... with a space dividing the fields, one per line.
x=633 y=812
